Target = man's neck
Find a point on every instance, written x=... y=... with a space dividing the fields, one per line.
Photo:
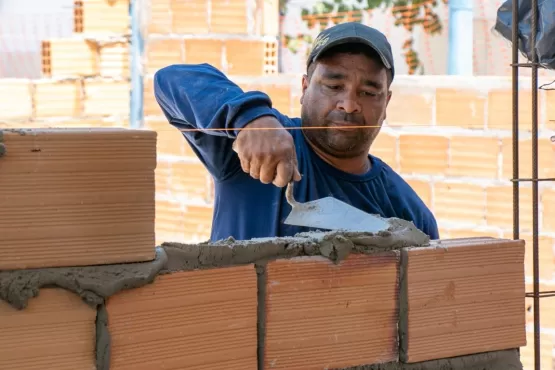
x=356 y=166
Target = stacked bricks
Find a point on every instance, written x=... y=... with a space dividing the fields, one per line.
x=71 y=198
x=239 y=37
x=85 y=77
x=314 y=301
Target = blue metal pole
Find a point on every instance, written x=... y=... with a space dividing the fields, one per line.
x=136 y=67
x=461 y=35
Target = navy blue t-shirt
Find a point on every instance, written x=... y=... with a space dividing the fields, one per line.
x=201 y=97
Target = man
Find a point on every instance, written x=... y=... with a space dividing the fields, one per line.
x=253 y=151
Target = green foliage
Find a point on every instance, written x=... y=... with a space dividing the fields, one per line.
x=407 y=14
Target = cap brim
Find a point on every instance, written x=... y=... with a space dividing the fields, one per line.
x=349 y=40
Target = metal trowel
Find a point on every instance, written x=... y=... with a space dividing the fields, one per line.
x=331 y=214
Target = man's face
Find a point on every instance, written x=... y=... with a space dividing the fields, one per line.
x=344 y=90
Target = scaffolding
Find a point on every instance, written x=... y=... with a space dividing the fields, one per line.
x=516 y=180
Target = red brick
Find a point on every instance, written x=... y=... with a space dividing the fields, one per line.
x=229 y=16
x=242 y=63
x=473 y=156
x=106 y=98
x=410 y=107
x=459 y=203
x=114 y=60
x=500 y=114
x=179 y=222
x=499 y=207
x=460 y=107
x=205 y=319
x=190 y=16
x=205 y=51
x=423 y=189
x=546 y=158
x=385 y=147
x=160 y=17
x=55 y=330
x=463 y=297
x=323 y=315
x=548 y=204
x=424 y=154
x=57 y=98
x=164 y=52
x=86 y=196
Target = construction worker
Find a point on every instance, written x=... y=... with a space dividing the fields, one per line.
x=253 y=151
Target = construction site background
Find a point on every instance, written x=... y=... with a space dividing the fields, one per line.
x=65 y=63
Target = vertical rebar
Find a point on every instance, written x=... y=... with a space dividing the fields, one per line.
x=535 y=210
x=516 y=185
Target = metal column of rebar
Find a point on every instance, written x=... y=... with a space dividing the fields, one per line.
x=534 y=180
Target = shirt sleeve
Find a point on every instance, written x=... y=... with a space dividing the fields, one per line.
x=209 y=110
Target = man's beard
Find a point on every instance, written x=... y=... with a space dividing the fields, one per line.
x=345 y=144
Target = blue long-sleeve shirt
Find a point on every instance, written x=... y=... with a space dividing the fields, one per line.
x=201 y=97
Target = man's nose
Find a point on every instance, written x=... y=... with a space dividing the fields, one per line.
x=349 y=104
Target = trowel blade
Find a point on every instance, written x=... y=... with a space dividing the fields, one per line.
x=332 y=214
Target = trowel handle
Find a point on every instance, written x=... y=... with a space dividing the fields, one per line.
x=289 y=195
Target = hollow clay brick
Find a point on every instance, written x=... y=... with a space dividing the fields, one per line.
x=462 y=296
x=79 y=196
x=55 y=331
x=325 y=315
x=202 y=320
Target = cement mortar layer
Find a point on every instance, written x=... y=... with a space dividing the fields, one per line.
x=498 y=360
x=96 y=283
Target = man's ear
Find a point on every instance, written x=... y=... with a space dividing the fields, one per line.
x=304 y=84
x=389 y=93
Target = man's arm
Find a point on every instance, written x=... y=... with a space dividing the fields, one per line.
x=200 y=97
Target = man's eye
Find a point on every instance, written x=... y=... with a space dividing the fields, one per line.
x=368 y=93
x=333 y=87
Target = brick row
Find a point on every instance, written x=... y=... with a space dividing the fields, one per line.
x=84 y=57
x=24 y=100
x=452 y=298
x=101 y=17
x=236 y=17
x=234 y=56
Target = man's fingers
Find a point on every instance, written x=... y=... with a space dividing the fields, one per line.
x=254 y=169
x=284 y=172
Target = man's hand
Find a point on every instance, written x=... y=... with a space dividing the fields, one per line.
x=267 y=152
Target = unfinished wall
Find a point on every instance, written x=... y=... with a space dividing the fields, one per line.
x=315 y=301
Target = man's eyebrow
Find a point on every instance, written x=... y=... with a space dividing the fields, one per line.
x=371 y=83
x=333 y=75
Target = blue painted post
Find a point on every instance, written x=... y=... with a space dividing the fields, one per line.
x=461 y=35
x=136 y=67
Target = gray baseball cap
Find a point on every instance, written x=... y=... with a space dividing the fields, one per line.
x=353 y=32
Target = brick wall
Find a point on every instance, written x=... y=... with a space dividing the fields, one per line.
x=84 y=78
x=286 y=303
